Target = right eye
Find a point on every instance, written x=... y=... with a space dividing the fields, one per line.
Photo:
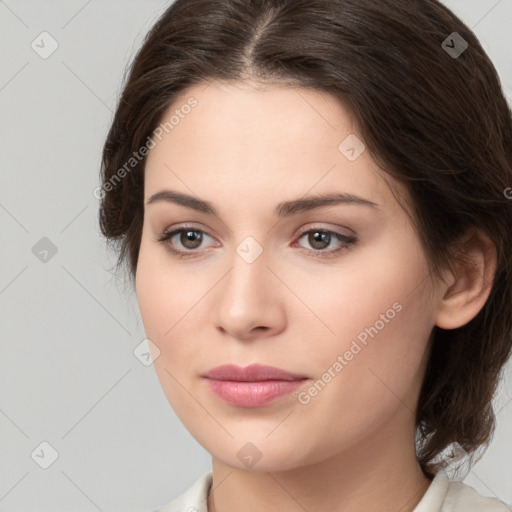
x=190 y=239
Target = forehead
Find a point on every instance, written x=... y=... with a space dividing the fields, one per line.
x=261 y=140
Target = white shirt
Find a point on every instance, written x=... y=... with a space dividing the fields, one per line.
x=443 y=495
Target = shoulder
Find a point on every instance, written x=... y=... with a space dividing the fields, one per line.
x=445 y=495
x=462 y=497
x=194 y=499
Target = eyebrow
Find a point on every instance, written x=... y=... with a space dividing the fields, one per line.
x=284 y=209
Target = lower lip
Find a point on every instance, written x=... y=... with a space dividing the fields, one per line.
x=253 y=394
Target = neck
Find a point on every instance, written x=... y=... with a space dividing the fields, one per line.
x=379 y=475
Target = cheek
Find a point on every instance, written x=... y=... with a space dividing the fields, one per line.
x=163 y=304
x=164 y=295
x=374 y=293
x=375 y=313
x=171 y=301
x=375 y=384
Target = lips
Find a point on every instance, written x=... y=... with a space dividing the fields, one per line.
x=251 y=373
x=255 y=385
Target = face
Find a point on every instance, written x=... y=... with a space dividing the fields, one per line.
x=338 y=294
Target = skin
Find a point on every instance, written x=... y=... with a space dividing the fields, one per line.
x=351 y=447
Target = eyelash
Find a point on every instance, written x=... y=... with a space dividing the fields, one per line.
x=347 y=241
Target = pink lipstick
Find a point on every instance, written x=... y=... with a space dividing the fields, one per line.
x=253 y=386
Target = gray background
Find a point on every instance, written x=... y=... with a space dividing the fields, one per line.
x=68 y=373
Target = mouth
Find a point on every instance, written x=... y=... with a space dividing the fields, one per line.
x=251 y=373
x=253 y=386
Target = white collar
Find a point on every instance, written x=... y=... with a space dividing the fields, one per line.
x=443 y=495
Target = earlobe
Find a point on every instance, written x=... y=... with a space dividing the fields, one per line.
x=474 y=268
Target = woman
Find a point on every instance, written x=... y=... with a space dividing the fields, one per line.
x=311 y=197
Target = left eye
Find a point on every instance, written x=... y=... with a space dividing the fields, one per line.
x=320 y=239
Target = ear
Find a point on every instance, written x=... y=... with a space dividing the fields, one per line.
x=469 y=283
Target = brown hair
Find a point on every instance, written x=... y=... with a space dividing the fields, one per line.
x=437 y=122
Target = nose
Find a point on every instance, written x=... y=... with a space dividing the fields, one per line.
x=249 y=302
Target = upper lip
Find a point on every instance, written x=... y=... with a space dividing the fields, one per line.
x=252 y=373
